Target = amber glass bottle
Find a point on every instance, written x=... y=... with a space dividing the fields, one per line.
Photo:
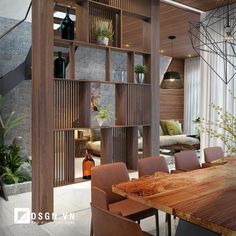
x=88 y=163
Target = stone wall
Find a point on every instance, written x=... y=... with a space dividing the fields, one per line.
x=15 y=46
x=19 y=100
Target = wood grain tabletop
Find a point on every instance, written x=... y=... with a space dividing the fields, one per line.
x=206 y=197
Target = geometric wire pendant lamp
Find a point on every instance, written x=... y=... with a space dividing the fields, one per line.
x=214 y=36
x=171 y=75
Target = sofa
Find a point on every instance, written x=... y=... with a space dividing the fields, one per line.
x=171 y=138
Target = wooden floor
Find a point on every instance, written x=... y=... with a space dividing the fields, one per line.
x=205 y=197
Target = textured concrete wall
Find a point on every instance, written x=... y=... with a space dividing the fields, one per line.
x=15 y=46
x=19 y=100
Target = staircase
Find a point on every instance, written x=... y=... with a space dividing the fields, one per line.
x=15 y=52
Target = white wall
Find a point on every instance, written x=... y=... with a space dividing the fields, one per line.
x=14 y=9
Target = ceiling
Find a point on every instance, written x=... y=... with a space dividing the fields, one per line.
x=175 y=21
x=205 y=5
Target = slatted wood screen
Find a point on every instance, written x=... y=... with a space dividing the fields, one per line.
x=137 y=6
x=63 y=158
x=139 y=108
x=66 y=104
x=97 y=13
x=119 y=144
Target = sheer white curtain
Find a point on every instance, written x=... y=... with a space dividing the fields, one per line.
x=213 y=90
x=191 y=93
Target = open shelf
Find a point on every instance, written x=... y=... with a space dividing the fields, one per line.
x=102 y=82
x=67 y=43
x=130 y=101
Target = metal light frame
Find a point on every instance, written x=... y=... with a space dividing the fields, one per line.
x=225 y=47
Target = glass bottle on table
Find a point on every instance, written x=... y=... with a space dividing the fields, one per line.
x=88 y=163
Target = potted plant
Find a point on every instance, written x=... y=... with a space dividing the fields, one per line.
x=140 y=71
x=103 y=32
x=104 y=116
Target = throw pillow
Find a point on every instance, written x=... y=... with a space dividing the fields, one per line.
x=173 y=127
x=163 y=126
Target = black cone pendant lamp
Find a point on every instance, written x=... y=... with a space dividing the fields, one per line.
x=171 y=75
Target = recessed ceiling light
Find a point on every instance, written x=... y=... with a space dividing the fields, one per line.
x=162 y=51
x=189 y=55
x=127 y=45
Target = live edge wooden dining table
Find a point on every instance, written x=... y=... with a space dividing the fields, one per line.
x=204 y=197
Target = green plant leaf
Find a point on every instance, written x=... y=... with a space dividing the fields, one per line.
x=11 y=122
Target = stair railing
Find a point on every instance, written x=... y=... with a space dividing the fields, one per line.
x=20 y=22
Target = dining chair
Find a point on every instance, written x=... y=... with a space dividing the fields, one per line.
x=102 y=179
x=107 y=223
x=213 y=153
x=186 y=161
x=150 y=165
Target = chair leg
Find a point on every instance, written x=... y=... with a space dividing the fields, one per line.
x=91 y=228
x=169 y=224
x=157 y=223
x=166 y=217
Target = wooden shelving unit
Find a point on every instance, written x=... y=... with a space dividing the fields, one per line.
x=72 y=97
x=58 y=105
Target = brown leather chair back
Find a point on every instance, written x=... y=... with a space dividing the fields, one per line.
x=104 y=176
x=213 y=153
x=106 y=223
x=186 y=161
x=150 y=165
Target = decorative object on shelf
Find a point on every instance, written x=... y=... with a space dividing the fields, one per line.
x=95 y=99
x=140 y=71
x=119 y=74
x=88 y=163
x=103 y=32
x=67 y=27
x=78 y=134
x=60 y=67
x=171 y=75
x=104 y=116
x=215 y=35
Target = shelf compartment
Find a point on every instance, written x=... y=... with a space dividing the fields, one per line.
x=138 y=108
x=103 y=12
x=66 y=43
x=99 y=127
x=66 y=103
x=102 y=82
x=129 y=7
x=63 y=158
